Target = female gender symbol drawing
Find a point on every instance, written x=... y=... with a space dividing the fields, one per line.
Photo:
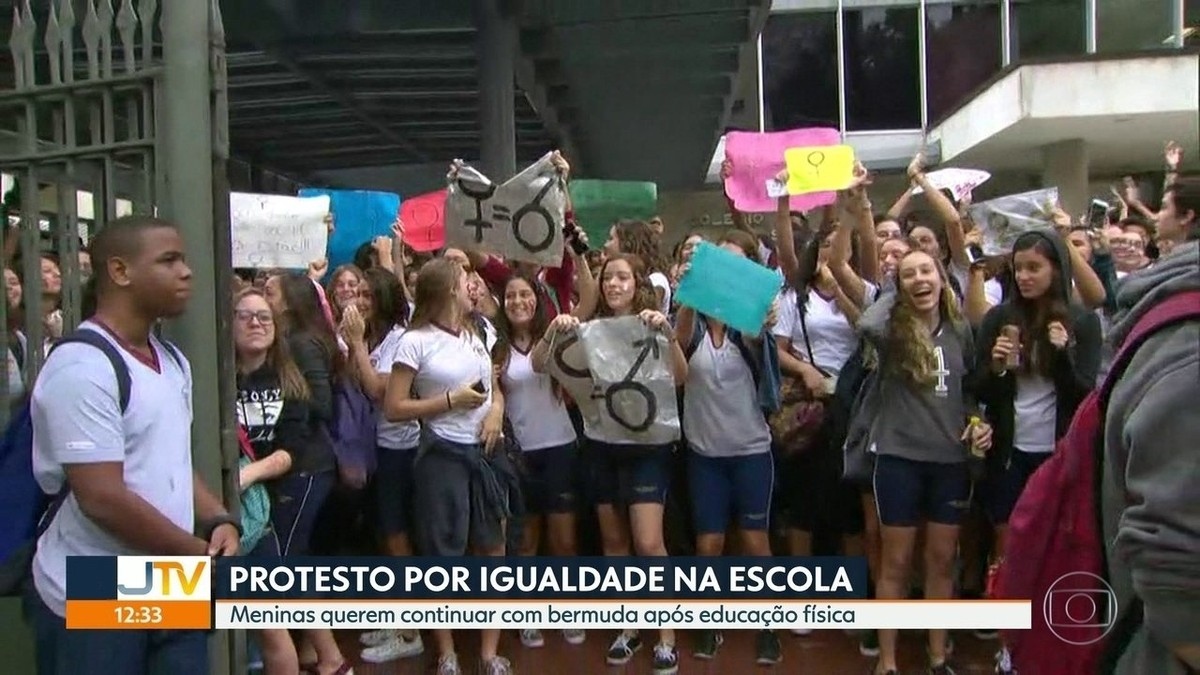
x=815 y=160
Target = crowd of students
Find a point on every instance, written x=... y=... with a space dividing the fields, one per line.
x=846 y=424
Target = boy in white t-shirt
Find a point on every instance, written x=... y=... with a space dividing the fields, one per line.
x=128 y=475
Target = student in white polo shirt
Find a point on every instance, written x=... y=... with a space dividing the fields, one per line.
x=131 y=488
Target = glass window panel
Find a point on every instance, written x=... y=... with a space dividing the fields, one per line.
x=1135 y=25
x=1191 y=22
x=1048 y=28
x=800 y=72
x=962 y=50
x=883 y=76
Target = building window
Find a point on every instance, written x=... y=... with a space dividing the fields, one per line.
x=1135 y=25
x=800 y=71
x=1191 y=23
x=962 y=50
x=883 y=74
x=1048 y=28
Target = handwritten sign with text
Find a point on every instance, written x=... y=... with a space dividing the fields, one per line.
x=521 y=219
x=274 y=231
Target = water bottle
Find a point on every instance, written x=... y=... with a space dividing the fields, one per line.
x=976 y=456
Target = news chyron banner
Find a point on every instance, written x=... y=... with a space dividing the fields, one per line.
x=466 y=593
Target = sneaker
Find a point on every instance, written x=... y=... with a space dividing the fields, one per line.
x=375 y=638
x=574 y=636
x=942 y=668
x=707 y=644
x=986 y=634
x=497 y=665
x=398 y=648
x=1004 y=665
x=623 y=649
x=801 y=631
x=666 y=659
x=767 y=650
x=868 y=643
x=448 y=665
x=532 y=638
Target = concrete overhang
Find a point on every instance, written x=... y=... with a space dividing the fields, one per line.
x=1122 y=108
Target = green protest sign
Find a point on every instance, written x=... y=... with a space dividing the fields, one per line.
x=600 y=203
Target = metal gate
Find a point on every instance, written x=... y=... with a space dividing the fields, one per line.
x=127 y=105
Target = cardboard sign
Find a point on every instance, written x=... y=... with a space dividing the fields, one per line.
x=277 y=232
x=728 y=287
x=424 y=221
x=819 y=169
x=634 y=388
x=520 y=220
x=758 y=157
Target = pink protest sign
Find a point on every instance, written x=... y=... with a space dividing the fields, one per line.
x=757 y=158
x=424 y=221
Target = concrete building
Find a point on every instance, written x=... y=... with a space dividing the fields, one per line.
x=1066 y=93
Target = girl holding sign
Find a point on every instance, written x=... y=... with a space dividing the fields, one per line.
x=629 y=479
x=920 y=438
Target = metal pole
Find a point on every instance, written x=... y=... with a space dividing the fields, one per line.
x=496 y=49
x=185 y=120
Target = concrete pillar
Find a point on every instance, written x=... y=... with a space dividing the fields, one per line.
x=496 y=50
x=1065 y=166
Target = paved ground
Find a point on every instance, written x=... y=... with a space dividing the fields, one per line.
x=822 y=653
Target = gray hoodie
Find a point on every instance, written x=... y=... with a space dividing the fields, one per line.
x=1151 y=487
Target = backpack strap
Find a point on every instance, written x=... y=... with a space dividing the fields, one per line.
x=1175 y=309
x=120 y=368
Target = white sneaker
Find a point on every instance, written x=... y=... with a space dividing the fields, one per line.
x=532 y=638
x=375 y=638
x=397 y=648
x=574 y=636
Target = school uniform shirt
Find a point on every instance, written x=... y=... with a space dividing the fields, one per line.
x=721 y=415
x=538 y=415
x=659 y=281
x=275 y=423
x=77 y=419
x=392 y=435
x=445 y=361
x=992 y=288
x=832 y=337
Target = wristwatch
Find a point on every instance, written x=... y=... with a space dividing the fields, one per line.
x=224 y=519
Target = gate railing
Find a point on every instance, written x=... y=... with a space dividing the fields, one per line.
x=84 y=120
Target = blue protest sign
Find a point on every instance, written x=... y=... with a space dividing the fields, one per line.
x=358 y=217
x=729 y=288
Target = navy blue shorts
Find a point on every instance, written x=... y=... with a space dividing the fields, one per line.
x=296 y=499
x=1004 y=484
x=625 y=474
x=724 y=487
x=394 y=489
x=908 y=492
x=550 y=479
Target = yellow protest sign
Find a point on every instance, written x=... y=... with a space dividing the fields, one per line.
x=827 y=168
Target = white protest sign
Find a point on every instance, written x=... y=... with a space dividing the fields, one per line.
x=635 y=389
x=520 y=220
x=1004 y=219
x=568 y=366
x=274 y=231
x=960 y=182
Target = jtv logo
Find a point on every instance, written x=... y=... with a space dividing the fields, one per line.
x=156 y=578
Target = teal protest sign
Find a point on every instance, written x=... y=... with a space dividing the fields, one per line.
x=600 y=203
x=729 y=288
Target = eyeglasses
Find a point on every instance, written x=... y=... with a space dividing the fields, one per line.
x=244 y=315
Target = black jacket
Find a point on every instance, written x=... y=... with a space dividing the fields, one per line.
x=1073 y=370
x=274 y=422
